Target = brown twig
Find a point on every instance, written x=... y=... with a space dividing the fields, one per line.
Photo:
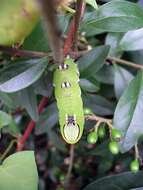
x=137 y=156
x=66 y=182
x=69 y=39
x=124 y=62
x=54 y=32
x=80 y=8
x=23 y=53
x=68 y=44
x=97 y=118
x=100 y=120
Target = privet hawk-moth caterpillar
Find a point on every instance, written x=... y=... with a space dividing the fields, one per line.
x=69 y=102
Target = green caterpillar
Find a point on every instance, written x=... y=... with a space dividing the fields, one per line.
x=69 y=102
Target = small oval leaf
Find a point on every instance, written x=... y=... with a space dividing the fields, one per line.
x=121 y=80
x=128 y=114
x=132 y=40
x=111 y=16
x=22 y=74
x=93 y=61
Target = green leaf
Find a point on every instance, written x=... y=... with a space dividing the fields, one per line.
x=20 y=75
x=92 y=61
x=92 y=3
x=106 y=74
x=6 y=99
x=117 y=16
x=117 y=182
x=48 y=119
x=89 y=86
x=27 y=99
x=64 y=20
x=90 y=30
x=13 y=128
x=19 y=172
x=98 y=104
x=37 y=40
x=132 y=40
x=113 y=40
x=44 y=86
x=121 y=80
x=128 y=114
x=5 y=119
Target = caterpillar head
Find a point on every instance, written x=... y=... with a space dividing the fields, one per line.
x=71 y=130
